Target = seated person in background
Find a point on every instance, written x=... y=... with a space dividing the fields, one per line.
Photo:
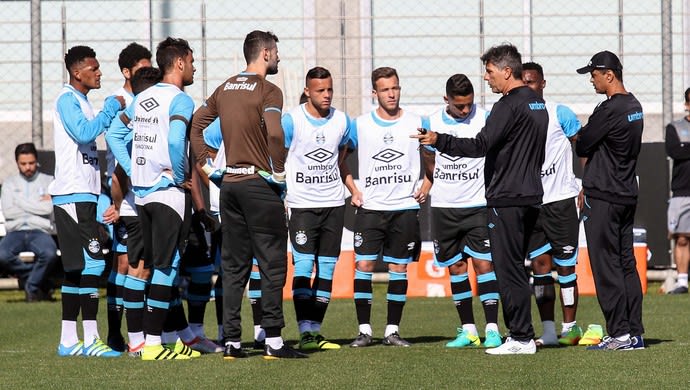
x=28 y=214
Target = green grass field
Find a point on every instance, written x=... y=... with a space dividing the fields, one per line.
x=29 y=334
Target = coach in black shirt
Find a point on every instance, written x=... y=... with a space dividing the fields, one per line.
x=611 y=141
x=513 y=141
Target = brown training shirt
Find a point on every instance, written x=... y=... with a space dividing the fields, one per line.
x=249 y=108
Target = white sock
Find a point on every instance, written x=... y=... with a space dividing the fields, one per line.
x=198 y=330
x=366 y=329
x=90 y=331
x=316 y=327
x=167 y=338
x=390 y=329
x=234 y=344
x=274 y=342
x=304 y=326
x=549 y=328
x=682 y=280
x=186 y=335
x=68 y=333
x=491 y=326
x=470 y=328
x=259 y=333
x=567 y=325
x=152 y=340
x=135 y=339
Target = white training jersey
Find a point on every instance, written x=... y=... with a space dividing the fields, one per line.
x=150 y=157
x=389 y=161
x=76 y=165
x=312 y=170
x=458 y=181
x=557 y=177
x=127 y=208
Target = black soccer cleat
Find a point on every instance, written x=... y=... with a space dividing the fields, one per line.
x=395 y=340
x=232 y=353
x=283 y=352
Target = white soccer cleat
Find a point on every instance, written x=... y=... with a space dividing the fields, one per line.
x=514 y=347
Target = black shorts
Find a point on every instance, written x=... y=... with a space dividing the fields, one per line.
x=317 y=231
x=196 y=253
x=133 y=240
x=78 y=233
x=394 y=233
x=459 y=233
x=556 y=232
x=163 y=230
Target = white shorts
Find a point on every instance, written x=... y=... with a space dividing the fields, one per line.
x=679 y=215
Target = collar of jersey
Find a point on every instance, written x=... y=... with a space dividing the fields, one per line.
x=449 y=120
x=77 y=92
x=383 y=122
x=317 y=121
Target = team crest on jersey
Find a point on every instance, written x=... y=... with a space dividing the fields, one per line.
x=388 y=138
x=94 y=246
x=387 y=155
x=358 y=239
x=301 y=237
x=320 y=138
x=148 y=104
x=319 y=155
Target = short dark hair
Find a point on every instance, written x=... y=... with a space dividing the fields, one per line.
x=504 y=56
x=144 y=78
x=383 y=72
x=303 y=98
x=687 y=95
x=77 y=54
x=169 y=50
x=26 y=148
x=618 y=73
x=133 y=53
x=458 y=85
x=534 y=66
x=317 y=72
x=255 y=41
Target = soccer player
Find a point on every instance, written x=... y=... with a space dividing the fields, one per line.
x=386 y=218
x=458 y=214
x=513 y=141
x=316 y=136
x=74 y=193
x=160 y=116
x=678 y=148
x=611 y=141
x=131 y=58
x=251 y=197
x=555 y=236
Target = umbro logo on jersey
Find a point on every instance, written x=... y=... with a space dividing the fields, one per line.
x=387 y=155
x=319 y=155
x=450 y=158
x=148 y=104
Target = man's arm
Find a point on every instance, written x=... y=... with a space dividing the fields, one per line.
x=117 y=137
x=203 y=117
x=273 y=106
x=80 y=129
x=676 y=149
x=181 y=109
x=593 y=132
x=16 y=206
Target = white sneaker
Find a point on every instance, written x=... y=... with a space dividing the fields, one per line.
x=513 y=347
x=204 y=345
x=547 y=339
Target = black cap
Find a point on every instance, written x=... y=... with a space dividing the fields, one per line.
x=602 y=60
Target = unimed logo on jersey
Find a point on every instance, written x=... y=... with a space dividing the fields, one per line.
x=319 y=155
x=148 y=104
x=387 y=155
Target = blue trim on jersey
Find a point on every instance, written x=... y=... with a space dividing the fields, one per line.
x=141 y=192
x=568 y=120
x=426 y=122
x=288 y=128
x=366 y=257
x=459 y=278
x=302 y=292
x=489 y=296
x=395 y=260
x=276 y=109
x=569 y=262
x=396 y=297
x=487 y=277
x=360 y=295
x=69 y=290
x=363 y=275
x=382 y=122
x=116 y=137
x=462 y=296
x=213 y=136
x=88 y=290
x=181 y=105
x=74 y=198
x=354 y=141
x=567 y=278
x=92 y=266
x=540 y=251
x=449 y=262
x=397 y=276
x=158 y=304
x=80 y=129
x=133 y=305
x=347 y=133
x=477 y=255
x=317 y=122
